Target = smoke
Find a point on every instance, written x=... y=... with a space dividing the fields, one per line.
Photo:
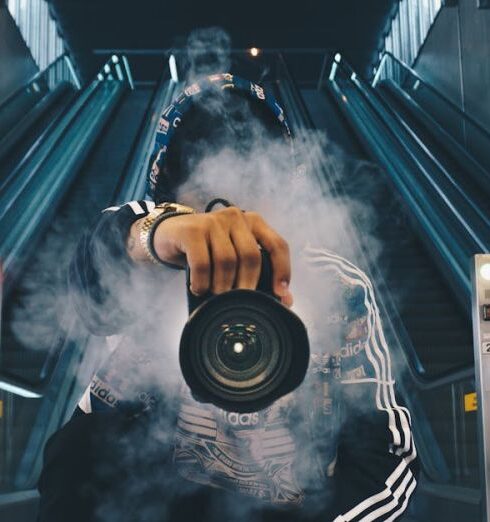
x=260 y=174
x=208 y=51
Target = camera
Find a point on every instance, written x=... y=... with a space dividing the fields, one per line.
x=242 y=350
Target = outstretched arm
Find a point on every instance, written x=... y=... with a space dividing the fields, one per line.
x=220 y=248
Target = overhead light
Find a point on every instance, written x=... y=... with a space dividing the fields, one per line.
x=485 y=271
x=172 y=63
x=338 y=57
x=254 y=52
x=18 y=390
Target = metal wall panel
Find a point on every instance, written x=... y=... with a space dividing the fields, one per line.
x=456 y=60
x=16 y=63
x=475 y=51
x=438 y=61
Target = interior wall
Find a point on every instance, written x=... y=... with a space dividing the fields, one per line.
x=456 y=58
x=16 y=63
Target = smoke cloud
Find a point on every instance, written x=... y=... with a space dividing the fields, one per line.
x=286 y=189
x=258 y=174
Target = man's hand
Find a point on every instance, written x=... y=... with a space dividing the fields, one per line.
x=221 y=249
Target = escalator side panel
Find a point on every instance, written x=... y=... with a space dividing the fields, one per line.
x=90 y=192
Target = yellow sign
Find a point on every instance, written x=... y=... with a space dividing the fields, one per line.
x=470 y=402
x=1 y=409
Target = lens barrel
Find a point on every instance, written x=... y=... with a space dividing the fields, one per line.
x=242 y=350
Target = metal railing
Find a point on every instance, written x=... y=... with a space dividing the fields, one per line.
x=450 y=220
x=398 y=151
x=16 y=107
x=59 y=70
x=464 y=129
x=29 y=199
x=80 y=355
x=327 y=176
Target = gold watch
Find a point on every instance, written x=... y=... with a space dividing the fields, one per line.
x=161 y=212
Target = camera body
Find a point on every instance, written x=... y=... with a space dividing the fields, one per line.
x=241 y=350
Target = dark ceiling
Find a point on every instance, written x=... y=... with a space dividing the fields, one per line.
x=353 y=27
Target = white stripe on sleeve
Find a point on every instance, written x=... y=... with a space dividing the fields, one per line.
x=378 y=354
x=136 y=207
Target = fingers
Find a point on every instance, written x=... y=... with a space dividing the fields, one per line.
x=249 y=258
x=199 y=261
x=224 y=260
x=236 y=256
x=279 y=253
x=222 y=250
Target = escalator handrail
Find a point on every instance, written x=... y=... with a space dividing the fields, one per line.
x=463 y=197
x=133 y=182
x=433 y=467
x=468 y=226
x=439 y=94
x=64 y=57
x=30 y=461
x=411 y=192
x=37 y=390
x=13 y=186
x=385 y=159
x=419 y=384
x=15 y=135
x=55 y=387
x=476 y=170
x=435 y=464
x=377 y=276
x=453 y=376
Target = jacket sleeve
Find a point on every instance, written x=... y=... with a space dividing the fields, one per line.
x=376 y=469
x=100 y=266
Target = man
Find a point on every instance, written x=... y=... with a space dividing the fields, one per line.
x=140 y=446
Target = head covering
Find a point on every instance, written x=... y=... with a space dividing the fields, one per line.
x=159 y=186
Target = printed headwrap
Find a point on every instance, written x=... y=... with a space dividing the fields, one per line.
x=158 y=187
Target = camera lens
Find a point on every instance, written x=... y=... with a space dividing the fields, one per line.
x=241 y=350
x=239 y=347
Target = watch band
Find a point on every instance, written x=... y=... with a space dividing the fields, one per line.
x=153 y=219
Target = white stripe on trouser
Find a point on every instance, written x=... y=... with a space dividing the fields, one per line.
x=406 y=486
x=405 y=502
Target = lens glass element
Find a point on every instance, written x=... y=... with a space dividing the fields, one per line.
x=242 y=349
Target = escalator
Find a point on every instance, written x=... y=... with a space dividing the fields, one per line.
x=422 y=275
x=79 y=167
x=28 y=114
x=380 y=155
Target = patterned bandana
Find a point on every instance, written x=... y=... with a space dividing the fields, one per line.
x=158 y=187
